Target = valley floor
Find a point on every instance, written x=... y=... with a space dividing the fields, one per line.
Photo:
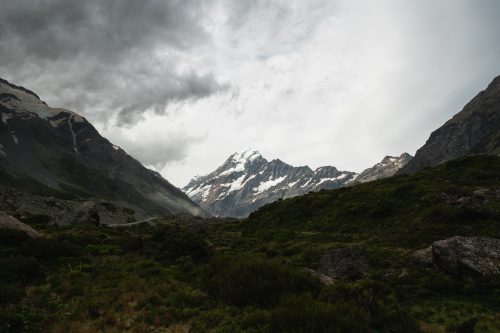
x=259 y=274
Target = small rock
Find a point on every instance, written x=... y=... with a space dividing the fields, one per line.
x=325 y=279
x=404 y=273
x=423 y=256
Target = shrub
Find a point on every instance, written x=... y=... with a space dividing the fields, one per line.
x=132 y=244
x=398 y=321
x=19 y=319
x=170 y=243
x=245 y=280
x=302 y=314
x=467 y=326
x=37 y=220
x=47 y=249
x=11 y=237
x=10 y=294
x=19 y=268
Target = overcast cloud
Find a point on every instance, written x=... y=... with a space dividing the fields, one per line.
x=182 y=84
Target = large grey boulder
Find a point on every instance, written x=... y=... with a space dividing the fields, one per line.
x=345 y=263
x=479 y=256
x=9 y=222
x=467 y=255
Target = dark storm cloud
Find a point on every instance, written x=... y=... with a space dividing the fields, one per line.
x=122 y=57
x=55 y=29
x=155 y=95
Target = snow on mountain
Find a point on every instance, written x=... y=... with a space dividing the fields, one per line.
x=247 y=181
x=387 y=168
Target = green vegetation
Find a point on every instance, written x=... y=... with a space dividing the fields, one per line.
x=250 y=276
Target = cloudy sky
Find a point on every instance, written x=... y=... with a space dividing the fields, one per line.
x=181 y=84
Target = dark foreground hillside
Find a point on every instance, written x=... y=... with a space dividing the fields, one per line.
x=269 y=273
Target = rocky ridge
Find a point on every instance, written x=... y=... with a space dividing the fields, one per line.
x=474 y=130
x=386 y=168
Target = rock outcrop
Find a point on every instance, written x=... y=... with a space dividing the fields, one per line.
x=345 y=263
x=51 y=210
x=463 y=256
x=85 y=214
x=387 y=168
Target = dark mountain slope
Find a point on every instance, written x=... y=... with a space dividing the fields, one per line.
x=58 y=152
x=474 y=130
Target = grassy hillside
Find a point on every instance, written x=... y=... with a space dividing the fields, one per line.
x=250 y=276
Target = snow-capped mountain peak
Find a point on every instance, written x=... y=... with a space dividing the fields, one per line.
x=238 y=161
x=245 y=155
x=247 y=181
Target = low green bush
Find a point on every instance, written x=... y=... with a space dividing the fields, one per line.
x=247 y=280
x=19 y=268
x=169 y=243
x=10 y=294
x=302 y=314
x=10 y=237
x=47 y=249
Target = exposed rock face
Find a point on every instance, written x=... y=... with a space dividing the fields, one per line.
x=86 y=213
x=52 y=210
x=58 y=152
x=387 y=168
x=463 y=256
x=346 y=263
x=474 y=130
x=9 y=222
x=247 y=181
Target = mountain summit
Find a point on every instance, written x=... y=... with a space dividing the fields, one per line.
x=58 y=152
x=247 y=181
